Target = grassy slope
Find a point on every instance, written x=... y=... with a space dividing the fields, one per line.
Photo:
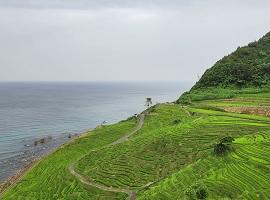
x=153 y=153
x=244 y=173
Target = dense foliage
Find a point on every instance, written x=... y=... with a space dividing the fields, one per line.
x=197 y=191
x=248 y=66
x=221 y=149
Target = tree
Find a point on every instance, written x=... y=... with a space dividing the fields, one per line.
x=176 y=121
x=201 y=193
x=196 y=191
x=220 y=149
x=227 y=140
x=148 y=102
x=223 y=146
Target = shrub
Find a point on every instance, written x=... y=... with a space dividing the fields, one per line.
x=220 y=149
x=202 y=193
x=227 y=140
x=197 y=191
x=223 y=146
x=176 y=121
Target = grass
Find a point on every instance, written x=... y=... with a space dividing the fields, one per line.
x=172 y=152
x=223 y=93
x=151 y=154
x=243 y=174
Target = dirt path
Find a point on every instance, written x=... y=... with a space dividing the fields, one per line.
x=186 y=111
x=126 y=137
x=131 y=194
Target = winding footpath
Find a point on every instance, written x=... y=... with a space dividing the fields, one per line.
x=87 y=181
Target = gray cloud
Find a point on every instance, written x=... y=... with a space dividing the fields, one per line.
x=94 y=4
x=122 y=40
x=88 y=4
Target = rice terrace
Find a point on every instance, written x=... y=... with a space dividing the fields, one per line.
x=212 y=143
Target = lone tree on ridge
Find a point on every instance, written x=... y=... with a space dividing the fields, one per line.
x=148 y=102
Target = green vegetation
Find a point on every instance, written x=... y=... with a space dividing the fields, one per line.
x=197 y=191
x=236 y=93
x=248 y=66
x=151 y=154
x=213 y=143
x=194 y=96
x=242 y=174
x=224 y=146
x=163 y=160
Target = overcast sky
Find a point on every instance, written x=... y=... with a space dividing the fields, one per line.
x=97 y=40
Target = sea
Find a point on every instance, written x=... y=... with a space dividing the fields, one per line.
x=36 y=117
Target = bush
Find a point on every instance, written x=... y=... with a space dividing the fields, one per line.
x=197 y=191
x=223 y=146
x=202 y=193
x=227 y=140
x=176 y=121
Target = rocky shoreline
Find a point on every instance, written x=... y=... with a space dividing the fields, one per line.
x=14 y=178
x=39 y=149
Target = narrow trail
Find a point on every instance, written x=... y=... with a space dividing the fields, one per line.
x=88 y=181
x=186 y=111
x=126 y=137
x=197 y=119
x=131 y=194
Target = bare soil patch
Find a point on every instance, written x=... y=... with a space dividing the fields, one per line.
x=264 y=111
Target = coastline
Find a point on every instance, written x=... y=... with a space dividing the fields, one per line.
x=21 y=138
x=18 y=175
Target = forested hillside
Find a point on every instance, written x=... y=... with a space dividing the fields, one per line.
x=248 y=66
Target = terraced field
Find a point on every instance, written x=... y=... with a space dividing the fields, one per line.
x=170 y=148
x=166 y=159
x=243 y=174
x=145 y=157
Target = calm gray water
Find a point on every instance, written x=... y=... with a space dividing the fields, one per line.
x=31 y=111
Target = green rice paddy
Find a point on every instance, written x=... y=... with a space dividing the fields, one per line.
x=167 y=157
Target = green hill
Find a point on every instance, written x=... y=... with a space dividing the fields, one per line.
x=213 y=143
x=247 y=70
x=248 y=66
